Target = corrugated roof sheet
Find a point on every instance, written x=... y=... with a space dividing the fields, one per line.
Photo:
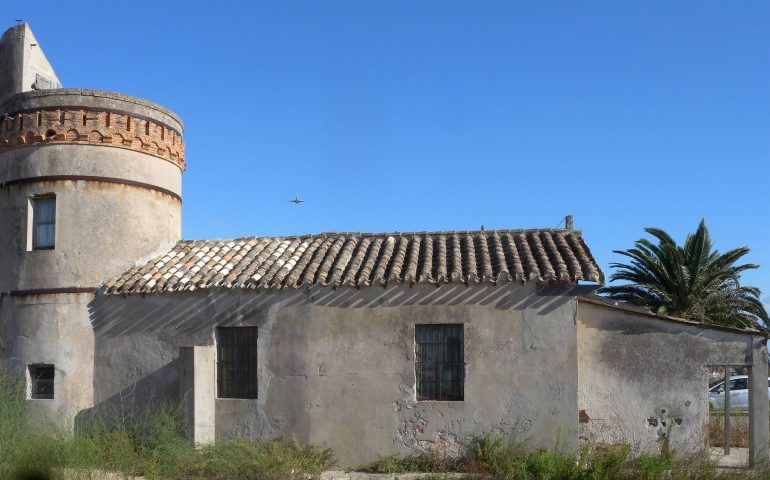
x=363 y=259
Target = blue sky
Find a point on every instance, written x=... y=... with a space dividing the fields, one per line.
x=401 y=116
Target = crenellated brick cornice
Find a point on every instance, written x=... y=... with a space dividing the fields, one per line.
x=93 y=127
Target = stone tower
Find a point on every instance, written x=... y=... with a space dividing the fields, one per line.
x=90 y=183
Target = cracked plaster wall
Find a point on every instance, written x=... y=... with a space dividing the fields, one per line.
x=643 y=381
x=336 y=367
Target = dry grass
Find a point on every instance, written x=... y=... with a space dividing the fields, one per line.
x=148 y=442
x=497 y=459
x=739 y=430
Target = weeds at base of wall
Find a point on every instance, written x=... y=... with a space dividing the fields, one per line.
x=434 y=463
x=129 y=440
x=494 y=458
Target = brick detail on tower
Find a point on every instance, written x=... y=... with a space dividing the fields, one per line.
x=94 y=127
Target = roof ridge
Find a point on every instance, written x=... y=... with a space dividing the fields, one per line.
x=383 y=234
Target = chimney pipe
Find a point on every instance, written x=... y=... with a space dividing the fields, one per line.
x=568 y=222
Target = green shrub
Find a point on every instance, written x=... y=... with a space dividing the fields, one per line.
x=597 y=464
x=494 y=457
x=243 y=459
x=134 y=439
x=148 y=440
x=426 y=463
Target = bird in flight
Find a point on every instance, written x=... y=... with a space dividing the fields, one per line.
x=297 y=200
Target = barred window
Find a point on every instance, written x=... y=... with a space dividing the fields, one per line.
x=237 y=362
x=439 y=364
x=43 y=222
x=41 y=377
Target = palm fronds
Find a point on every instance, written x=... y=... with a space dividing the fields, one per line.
x=692 y=281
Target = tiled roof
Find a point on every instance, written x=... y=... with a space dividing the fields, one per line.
x=362 y=260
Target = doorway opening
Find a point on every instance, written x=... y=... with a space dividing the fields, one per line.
x=728 y=422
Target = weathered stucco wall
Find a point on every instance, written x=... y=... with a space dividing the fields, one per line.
x=643 y=380
x=115 y=206
x=102 y=227
x=337 y=366
x=93 y=223
x=36 y=65
x=51 y=329
x=92 y=99
x=21 y=59
x=11 y=58
x=38 y=160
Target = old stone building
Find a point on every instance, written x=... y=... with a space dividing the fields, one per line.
x=369 y=344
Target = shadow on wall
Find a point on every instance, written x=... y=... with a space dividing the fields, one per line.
x=190 y=312
x=144 y=332
x=134 y=395
x=633 y=346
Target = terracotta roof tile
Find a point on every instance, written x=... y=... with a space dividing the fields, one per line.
x=362 y=259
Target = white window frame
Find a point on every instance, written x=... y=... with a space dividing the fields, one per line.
x=32 y=222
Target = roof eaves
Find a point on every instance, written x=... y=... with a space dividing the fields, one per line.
x=614 y=305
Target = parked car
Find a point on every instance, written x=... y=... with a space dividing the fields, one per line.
x=739 y=394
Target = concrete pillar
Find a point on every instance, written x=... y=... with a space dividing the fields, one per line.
x=759 y=437
x=197 y=391
x=728 y=411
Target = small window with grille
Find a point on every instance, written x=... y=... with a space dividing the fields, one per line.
x=439 y=364
x=237 y=362
x=41 y=377
x=43 y=222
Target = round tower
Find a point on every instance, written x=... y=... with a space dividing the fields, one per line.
x=90 y=183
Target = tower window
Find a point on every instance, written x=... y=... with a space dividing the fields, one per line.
x=41 y=378
x=439 y=364
x=237 y=362
x=43 y=222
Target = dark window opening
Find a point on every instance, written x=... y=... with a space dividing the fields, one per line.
x=237 y=362
x=41 y=377
x=439 y=363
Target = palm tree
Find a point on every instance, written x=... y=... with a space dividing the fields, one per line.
x=690 y=281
